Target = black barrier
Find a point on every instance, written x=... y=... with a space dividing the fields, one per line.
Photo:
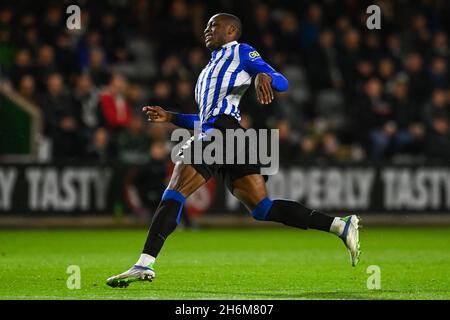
x=93 y=189
x=59 y=189
x=362 y=188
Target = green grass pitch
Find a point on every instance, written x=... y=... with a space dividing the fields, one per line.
x=228 y=264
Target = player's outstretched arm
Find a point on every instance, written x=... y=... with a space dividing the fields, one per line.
x=157 y=114
x=263 y=87
x=267 y=78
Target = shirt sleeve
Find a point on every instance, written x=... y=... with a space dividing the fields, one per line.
x=186 y=120
x=254 y=64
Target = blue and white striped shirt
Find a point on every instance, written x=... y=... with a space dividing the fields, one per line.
x=224 y=80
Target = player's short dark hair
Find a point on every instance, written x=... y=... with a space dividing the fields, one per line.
x=231 y=18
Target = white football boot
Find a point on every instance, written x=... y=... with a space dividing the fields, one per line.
x=136 y=273
x=350 y=236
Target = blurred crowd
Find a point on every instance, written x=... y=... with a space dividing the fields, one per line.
x=355 y=94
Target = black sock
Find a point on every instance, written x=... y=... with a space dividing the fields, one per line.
x=292 y=214
x=320 y=221
x=164 y=222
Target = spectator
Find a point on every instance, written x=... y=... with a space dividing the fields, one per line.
x=133 y=143
x=196 y=61
x=331 y=148
x=373 y=47
x=22 y=66
x=112 y=37
x=439 y=73
x=86 y=100
x=350 y=53
x=386 y=72
x=322 y=64
x=184 y=97
x=440 y=45
x=158 y=132
x=260 y=27
x=137 y=98
x=7 y=49
x=100 y=150
x=311 y=25
x=178 y=27
x=286 y=108
x=409 y=130
x=395 y=48
x=45 y=65
x=97 y=68
x=172 y=68
x=31 y=39
x=436 y=108
x=418 y=83
x=439 y=139
x=150 y=179
x=115 y=109
x=65 y=55
x=289 y=37
x=420 y=34
x=162 y=91
x=27 y=89
x=365 y=69
x=308 y=150
x=60 y=119
x=89 y=42
x=374 y=119
x=52 y=22
x=286 y=142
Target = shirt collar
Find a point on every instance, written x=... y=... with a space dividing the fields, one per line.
x=229 y=44
x=226 y=45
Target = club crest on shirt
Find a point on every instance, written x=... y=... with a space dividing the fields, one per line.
x=253 y=54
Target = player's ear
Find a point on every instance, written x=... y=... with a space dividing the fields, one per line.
x=232 y=29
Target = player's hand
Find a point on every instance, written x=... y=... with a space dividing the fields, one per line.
x=157 y=114
x=263 y=86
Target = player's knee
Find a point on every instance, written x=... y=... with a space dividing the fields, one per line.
x=185 y=180
x=170 y=194
x=262 y=209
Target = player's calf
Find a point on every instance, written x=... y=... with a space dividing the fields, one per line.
x=292 y=214
x=296 y=215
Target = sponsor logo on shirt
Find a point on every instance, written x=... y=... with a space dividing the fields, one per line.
x=254 y=54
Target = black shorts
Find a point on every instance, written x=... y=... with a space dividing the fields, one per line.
x=228 y=172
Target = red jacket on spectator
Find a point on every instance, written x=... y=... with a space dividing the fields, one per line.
x=116 y=110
